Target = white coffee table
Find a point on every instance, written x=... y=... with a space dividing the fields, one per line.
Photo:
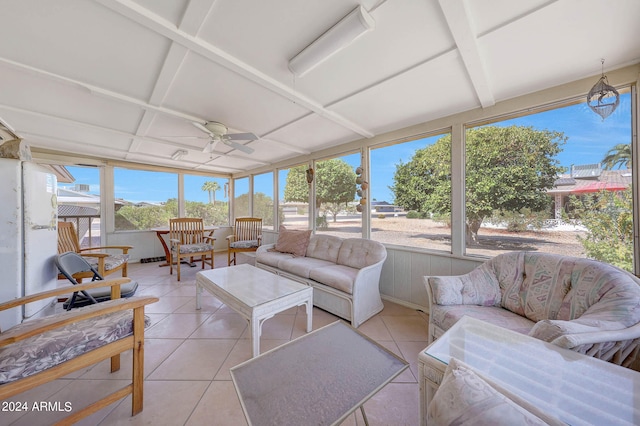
x=571 y=387
x=255 y=294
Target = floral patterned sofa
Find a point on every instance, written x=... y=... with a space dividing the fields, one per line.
x=580 y=304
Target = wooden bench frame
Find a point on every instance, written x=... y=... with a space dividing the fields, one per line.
x=111 y=350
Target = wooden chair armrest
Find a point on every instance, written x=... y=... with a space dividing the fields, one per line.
x=62 y=290
x=209 y=238
x=173 y=240
x=124 y=249
x=98 y=255
x=76 y=316
x=230 y=237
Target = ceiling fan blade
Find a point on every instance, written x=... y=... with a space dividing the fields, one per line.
x=241 y=137
x=201 y=127
x=238 y=146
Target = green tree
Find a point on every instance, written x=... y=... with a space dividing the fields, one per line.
x=335 y=183
x=507 y=169
x=211 y=187
x=619 y=155
x=608 y=217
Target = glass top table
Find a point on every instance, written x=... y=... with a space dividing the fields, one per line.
x=574 y=388
x=319 y=378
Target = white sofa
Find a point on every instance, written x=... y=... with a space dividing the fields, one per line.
x=344 y=273
x=580 y=304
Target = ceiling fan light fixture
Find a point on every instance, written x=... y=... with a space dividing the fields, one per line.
x=336 y=38
x=179 y=154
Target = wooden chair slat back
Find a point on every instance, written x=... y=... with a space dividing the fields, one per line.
x=67 y=238
x=248 y=228
x=187 y=230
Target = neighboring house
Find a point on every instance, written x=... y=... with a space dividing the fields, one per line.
x=585 y=179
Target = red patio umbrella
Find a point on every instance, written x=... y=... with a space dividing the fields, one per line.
x=600 y=186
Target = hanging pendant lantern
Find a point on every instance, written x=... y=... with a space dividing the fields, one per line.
x=603 y=98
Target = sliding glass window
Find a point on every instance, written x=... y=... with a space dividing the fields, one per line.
x=263 y=199
x=411 y=193
x=293 y=191
x=556 y=181
x=144 y=199
x=207 y=197
x=335 y=192
x=241 y=197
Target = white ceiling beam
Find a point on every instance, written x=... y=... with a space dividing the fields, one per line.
x=149 y=20
x=74 y=123
x=457 y=15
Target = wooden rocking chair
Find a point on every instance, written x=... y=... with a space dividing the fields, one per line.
x=247 y=235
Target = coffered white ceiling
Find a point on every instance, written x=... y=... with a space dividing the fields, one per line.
x=124 y=80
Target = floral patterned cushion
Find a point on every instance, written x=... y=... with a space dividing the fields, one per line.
x=479 y=287
x=244 y=244
x=46 y=350
x=110 y=262
x=193 y=248
x=464 y=398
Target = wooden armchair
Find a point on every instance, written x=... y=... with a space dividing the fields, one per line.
x=247 y=235
x=105 y=263
x=31 y=355
x=188 y=240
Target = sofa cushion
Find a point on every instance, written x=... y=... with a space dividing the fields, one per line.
x=46 y=350
x=464 y=398
x=271 y=257
x=359 y=253
x=340 y=277
x=601 y=292
x=302 y=266
x=292 y=241
x=445 y=317
x=479 y=287
x=538 y=293
x=324 y=247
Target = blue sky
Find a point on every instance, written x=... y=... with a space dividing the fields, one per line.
x=589 y=138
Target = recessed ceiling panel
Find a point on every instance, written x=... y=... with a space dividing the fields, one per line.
x=66 y=101
x=205 y=89
x=171 y=10
x=407 y=34
x=313 y=133
x=542 y=59
x=85 y=41
x=433 y=90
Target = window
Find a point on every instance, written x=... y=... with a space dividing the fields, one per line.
x=335 y=192
x=144 y=199
x=554 y=181
x=207 y=197
x=241 y=197
x=79 y=202
x=293 y=192
x=411 y=193
x=263 y=199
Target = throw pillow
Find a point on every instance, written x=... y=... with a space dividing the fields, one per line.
x=464 y=398
x=292 y=241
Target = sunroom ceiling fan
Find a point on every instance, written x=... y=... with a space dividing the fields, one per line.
x=218 y=133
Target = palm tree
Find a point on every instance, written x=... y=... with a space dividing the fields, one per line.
x=619 y=155
x=211 y=186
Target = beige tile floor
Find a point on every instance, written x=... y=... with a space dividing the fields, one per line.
x=188 y=354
